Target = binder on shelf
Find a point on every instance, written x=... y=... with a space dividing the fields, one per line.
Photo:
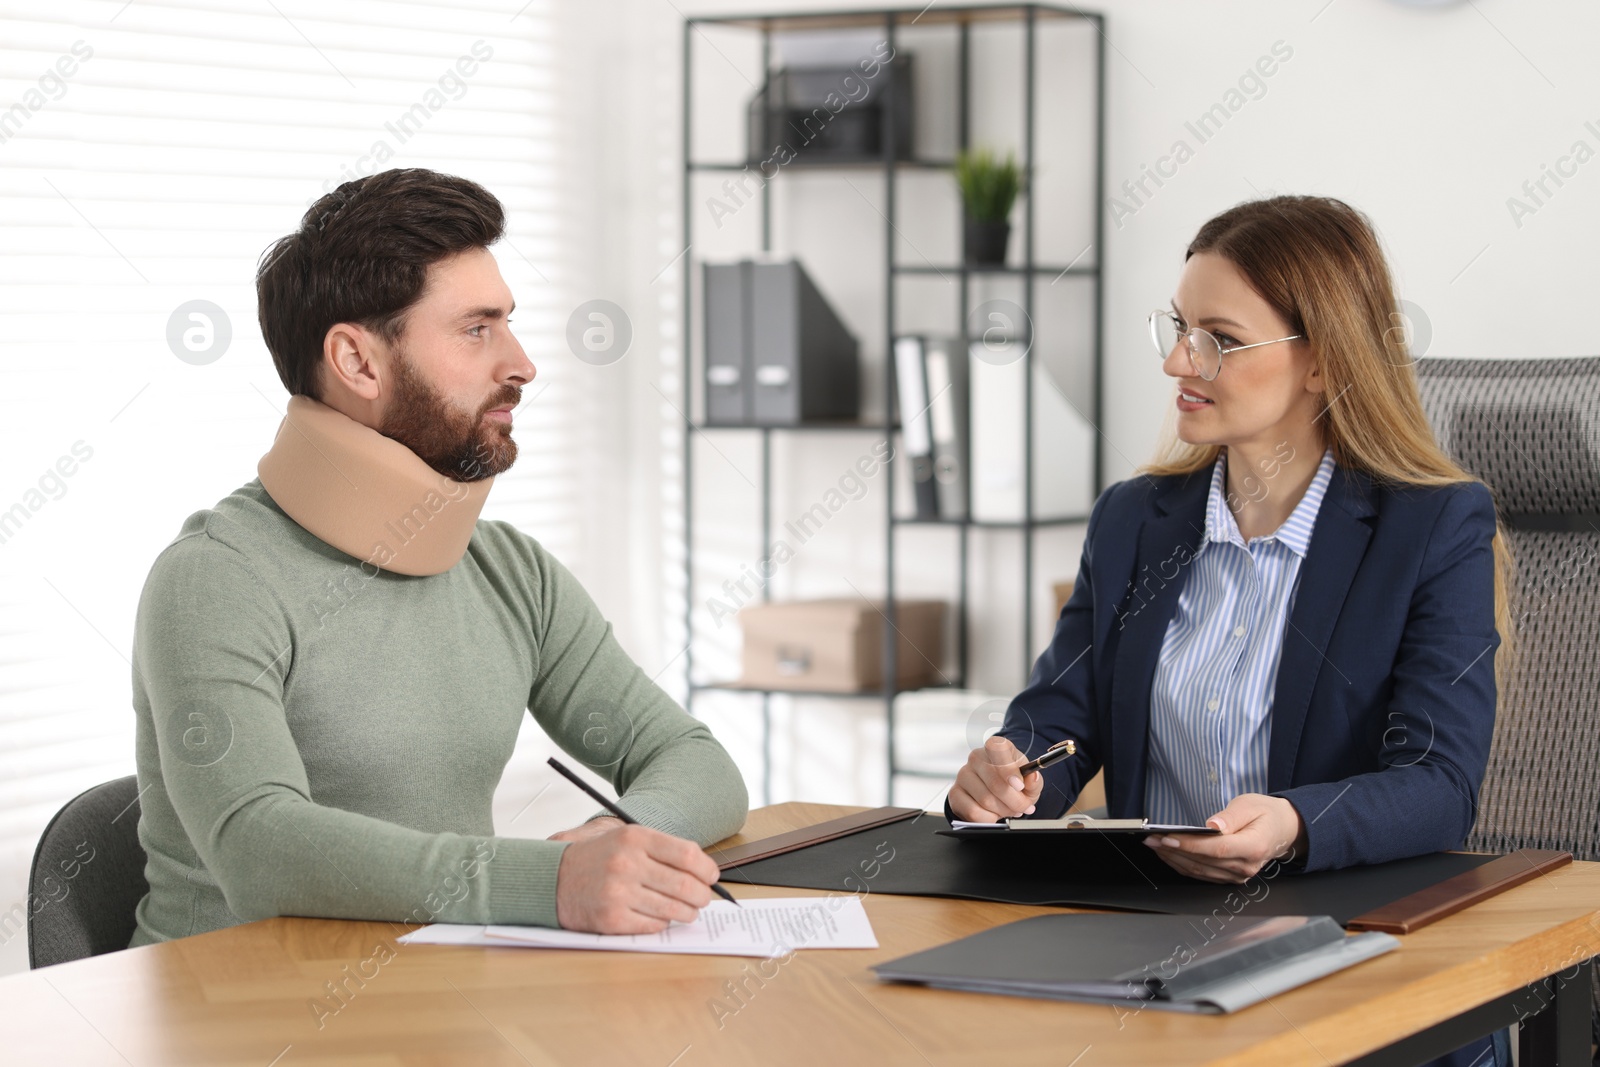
x=1063 y=440
x=916 y=422
x=948 y=409
x=727 y=343
x=806 y=362
x=776 y=352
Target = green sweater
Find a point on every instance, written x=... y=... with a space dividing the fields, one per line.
x=319 y=737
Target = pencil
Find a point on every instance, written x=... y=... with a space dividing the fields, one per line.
x=716 y=887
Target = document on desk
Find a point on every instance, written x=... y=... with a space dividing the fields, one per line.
x=768 y=927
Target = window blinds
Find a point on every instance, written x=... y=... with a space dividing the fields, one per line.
x=149 y=151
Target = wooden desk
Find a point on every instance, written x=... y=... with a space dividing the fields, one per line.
x=244 y=996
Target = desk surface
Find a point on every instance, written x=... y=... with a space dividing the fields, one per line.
x=247 y=996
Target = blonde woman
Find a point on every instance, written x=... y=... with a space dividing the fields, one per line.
x=1287 y=628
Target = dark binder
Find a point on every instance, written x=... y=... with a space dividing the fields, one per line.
x=805 y=365
x=1205 y=963
x=776 y=354
x=727 y=329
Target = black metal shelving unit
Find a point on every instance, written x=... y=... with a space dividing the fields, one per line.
x=889 y=21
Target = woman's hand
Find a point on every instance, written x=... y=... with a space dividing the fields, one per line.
x=988 y=787
x=1255 y=830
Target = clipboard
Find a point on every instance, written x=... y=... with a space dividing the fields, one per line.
x=1073 y=824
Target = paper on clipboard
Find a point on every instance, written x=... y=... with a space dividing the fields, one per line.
x=1085 y=822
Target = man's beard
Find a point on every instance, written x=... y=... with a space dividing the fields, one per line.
x=466 y=448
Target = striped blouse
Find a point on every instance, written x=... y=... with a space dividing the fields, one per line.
x=1211 y=699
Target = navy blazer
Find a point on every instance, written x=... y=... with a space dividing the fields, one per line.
x=1383 y=706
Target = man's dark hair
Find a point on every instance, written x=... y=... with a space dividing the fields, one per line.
x=361 y=255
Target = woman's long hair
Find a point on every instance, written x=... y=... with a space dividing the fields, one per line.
x=1316 y=260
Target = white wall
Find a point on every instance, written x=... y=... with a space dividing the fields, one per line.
x=1428 y=120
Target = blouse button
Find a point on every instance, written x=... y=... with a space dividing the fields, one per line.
x=1238 y=631
x=1211 y=705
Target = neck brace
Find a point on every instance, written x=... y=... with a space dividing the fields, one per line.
x=368 y=495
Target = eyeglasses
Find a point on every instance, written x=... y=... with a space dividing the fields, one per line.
x=1205 y=351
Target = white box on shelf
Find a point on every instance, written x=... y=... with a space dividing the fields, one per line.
x=1063 y=441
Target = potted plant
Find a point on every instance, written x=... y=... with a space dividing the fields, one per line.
x=988 y=189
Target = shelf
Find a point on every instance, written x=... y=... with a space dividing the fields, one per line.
x=916 y=772
x=801 y=163
x=995 y=524
x=931 y=15
x=802 y=427
x=933 y=163
x=859 y=694
x=965 y=268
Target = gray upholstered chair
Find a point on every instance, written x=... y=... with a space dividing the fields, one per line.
x=87 y=876
x=1530 y=428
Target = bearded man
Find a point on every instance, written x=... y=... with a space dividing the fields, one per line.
x=331 y=665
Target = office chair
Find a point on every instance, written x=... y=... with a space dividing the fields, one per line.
x=1528 y=428
x=87 y=876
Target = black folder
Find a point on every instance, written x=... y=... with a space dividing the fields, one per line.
x=1184 y=962
x=1077 y=869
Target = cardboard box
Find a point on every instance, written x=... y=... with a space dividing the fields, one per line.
x=1093 y=796
x=836 y=646
x=1063 y=592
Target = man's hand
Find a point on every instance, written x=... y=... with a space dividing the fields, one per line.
x=631 y=880
x=1255 y=830
x=988 y=788
x=592 y=828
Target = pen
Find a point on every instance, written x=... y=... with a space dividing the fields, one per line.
x=716 y=887
x=1054 y=754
